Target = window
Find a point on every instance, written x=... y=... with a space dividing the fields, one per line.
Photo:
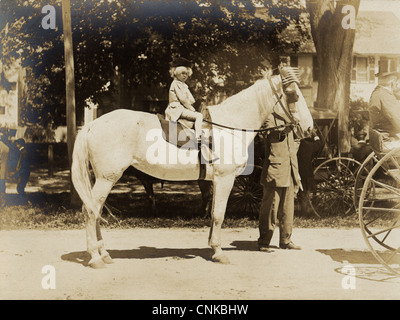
x=292 y=61
x=2 y=110
x=393 y=65
x=383 y=65
x=363 y=70
x=387 y=65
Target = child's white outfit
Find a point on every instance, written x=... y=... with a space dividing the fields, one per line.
x=180 y=105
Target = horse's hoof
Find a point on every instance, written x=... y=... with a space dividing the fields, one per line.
x=107 y=259
x=97 y=264
x=221 y=259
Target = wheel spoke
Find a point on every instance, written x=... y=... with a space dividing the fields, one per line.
x=386 y=186
x=383 y=230
x=395 y=252
x=391 y=210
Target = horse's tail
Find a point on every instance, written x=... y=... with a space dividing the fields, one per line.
x=80 y=174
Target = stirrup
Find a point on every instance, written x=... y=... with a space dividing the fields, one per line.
x=199 y=141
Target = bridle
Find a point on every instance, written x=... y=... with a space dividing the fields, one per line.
x=288 y=76
x=290 y=121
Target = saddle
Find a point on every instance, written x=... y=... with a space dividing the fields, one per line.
x=177 y=134
x=180 y=133
x=181 y=136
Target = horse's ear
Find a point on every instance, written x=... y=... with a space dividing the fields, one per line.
x=267 y=73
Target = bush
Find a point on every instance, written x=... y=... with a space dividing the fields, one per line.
x=358 y=118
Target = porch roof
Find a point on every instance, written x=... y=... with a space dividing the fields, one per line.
x=377 y=32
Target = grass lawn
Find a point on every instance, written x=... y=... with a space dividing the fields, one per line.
x=52 y=211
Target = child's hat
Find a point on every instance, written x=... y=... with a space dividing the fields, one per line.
x=180 y=62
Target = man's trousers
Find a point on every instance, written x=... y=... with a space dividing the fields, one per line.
x=277 y=205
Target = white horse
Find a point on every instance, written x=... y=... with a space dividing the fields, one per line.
x=119 y=139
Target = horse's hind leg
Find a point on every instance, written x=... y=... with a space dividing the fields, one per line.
x=105 y=256
x=221 y=191
x=95 y=242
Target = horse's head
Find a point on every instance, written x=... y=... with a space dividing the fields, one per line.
x=294 y=102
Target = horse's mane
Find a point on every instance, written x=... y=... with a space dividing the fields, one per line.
x=245 y=94
x=251 y=101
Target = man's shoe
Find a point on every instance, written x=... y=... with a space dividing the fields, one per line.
x=265 y=249
x=289 y=245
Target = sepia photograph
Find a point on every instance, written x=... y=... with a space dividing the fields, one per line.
x=199 y=156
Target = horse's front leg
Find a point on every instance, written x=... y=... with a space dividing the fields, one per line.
x=221 y=190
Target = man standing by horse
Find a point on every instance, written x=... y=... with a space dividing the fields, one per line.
x=280 y=175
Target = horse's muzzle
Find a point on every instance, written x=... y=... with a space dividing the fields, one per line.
x=291 y=97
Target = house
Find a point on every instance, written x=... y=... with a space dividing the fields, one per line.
x=8 y=100
x=12 y=82
x=376 y=49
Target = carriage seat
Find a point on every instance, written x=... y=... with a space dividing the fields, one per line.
x=382 y=144
x=377 y=141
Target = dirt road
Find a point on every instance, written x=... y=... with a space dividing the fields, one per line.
x=175 y=264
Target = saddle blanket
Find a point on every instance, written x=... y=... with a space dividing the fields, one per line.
x=177 y=134
x=181 y=136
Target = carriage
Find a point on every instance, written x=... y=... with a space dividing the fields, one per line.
x=377 y=195
x=334 y=172
x=369 y=188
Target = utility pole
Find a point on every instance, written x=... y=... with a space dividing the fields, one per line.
x=69 y=88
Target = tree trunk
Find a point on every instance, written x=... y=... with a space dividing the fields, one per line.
x=70 y=89
x=333 y=40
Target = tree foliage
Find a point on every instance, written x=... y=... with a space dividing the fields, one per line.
x=126 y=46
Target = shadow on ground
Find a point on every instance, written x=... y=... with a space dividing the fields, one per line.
x=82 y=257
x=350 y=256
x=360 y=264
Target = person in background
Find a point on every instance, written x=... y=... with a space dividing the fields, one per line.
x=4 y=151
x=308 y=150
x=22 y=171
x=384 y=109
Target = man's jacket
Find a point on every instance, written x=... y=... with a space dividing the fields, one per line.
x=384 y=111
x=280 y=164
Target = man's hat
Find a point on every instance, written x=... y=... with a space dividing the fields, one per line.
x=180 y=62
x=387 y=74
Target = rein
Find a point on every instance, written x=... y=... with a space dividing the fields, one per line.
x=291 y=124
x=254 y=130
x=287 y=113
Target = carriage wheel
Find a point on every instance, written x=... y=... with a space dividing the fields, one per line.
x=334 y=184
x=379 y=211
x=362 y=174
x=247 y=193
